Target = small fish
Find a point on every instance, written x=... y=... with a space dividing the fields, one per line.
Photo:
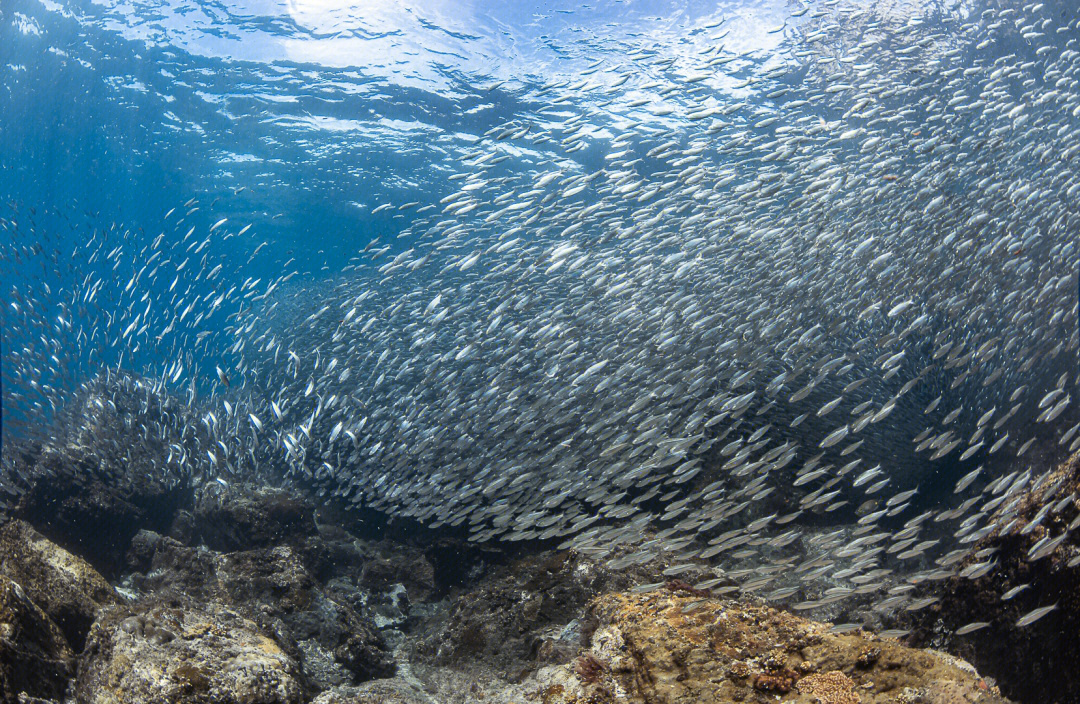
x=1014 y=591
x=1034 y=615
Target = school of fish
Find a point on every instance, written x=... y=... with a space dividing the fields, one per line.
x=821 y=338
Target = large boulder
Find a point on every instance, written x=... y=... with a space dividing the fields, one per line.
x=35 y=659
x=335 y=644
x=178 y=653
x=668 y=646
x=523 y=615
x=380 y=579
x=65 y=586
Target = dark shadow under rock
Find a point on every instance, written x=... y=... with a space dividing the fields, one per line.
x=402 y=565
x=245 y=517
x=35 y=659
x=66 y=587
x=94 y=512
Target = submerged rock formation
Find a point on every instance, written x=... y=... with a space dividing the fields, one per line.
x=65 y=586
x=246 y=517
x=171 y=653
x=1039 y=662
x=666 y=647
x=94 y=511
x=270 y=585
x=35 y=659
x=252 y=598
x=524 y=613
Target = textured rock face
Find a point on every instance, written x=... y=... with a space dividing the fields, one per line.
x=175 y=653
x=295 y=616
x=524 y=615
x=66 y=587
x=335 y=644
x=391 y=691
x=1039 y=662
x=35 y=659
x=663 y=647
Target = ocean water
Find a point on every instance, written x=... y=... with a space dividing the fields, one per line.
x=736 y=283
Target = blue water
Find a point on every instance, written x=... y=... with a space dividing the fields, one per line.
x=328 y=126
x=300 y=117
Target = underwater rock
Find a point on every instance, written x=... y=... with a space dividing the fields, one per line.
x=93 y=511
x=35 y=659
x=665 y=646
x=335 y=644
x=523 y=614
x=380 y=579
x=184 y=528
x=276 y=583
x=177 y=653
x=170 y=566
x=406 y=566
x=246 y=517
x=388 y=691
x=25 y=699
x=1037 y=662
x=65 y=586
x=333 y=552
x=336 y=555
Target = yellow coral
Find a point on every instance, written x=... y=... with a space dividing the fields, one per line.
x=830 y=688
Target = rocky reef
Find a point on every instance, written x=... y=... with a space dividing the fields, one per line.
x=673 y=646
x=253 y=595
x=181 y=652
x=34 y=656
x=1039 y=662
x=270 y=585
x=65 y=586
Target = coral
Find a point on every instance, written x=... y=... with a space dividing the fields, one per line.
x=830 y=687
x=779 y=683
x=589 y=668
